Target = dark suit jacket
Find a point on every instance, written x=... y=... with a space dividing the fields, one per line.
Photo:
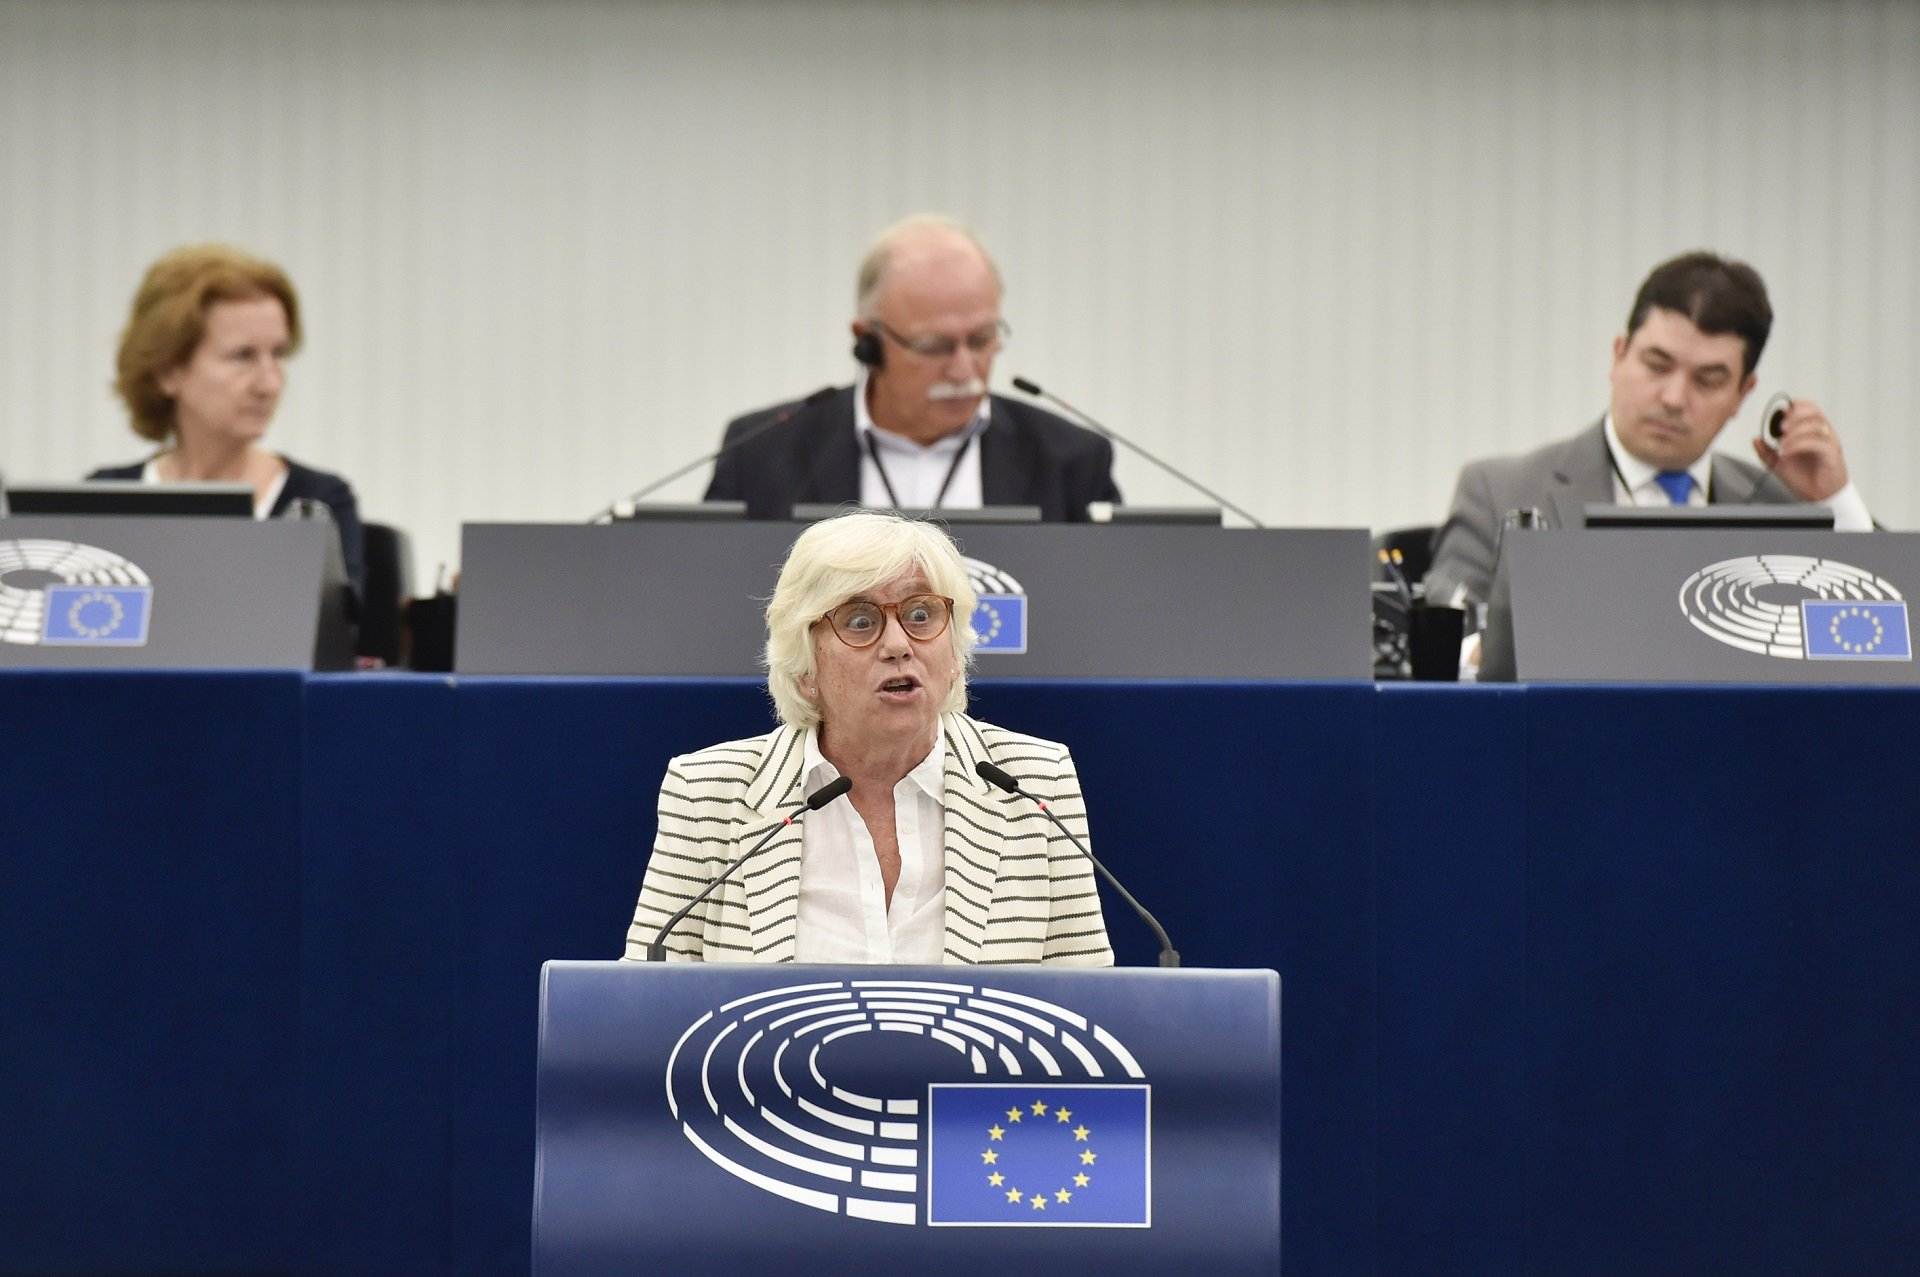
x=808 y=452
x=303 y=482
x=1579 y=468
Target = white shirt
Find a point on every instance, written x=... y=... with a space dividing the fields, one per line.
x=1642 y=486
x=916 y=471
x=262 y=504
x=843 y=915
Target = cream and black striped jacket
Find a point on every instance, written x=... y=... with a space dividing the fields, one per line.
x=1016 y=890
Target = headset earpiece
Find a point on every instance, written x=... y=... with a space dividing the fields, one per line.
x=867 y=349
x=1773 y=418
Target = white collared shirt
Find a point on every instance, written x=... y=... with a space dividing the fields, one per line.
x=843 y=914
x=1636 y=483
x=916 y=471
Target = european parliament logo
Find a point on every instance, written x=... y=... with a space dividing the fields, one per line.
x=1039 y=1156
x=919 y=1103
x=1798 y=607
x=66 y=594
x=1000 y=617
x=1856 y=631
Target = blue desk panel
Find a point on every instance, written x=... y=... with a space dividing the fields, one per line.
x=718 y=1119
x=1576 y=979
x=150 y=877
x=1450 y=840
x=1722 y=986
x=379 y=978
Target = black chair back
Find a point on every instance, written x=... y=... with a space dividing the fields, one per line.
x=389 y=586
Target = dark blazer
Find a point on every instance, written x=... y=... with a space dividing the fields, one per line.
x=808 y=452
x=1465 y=547
x=303 y=482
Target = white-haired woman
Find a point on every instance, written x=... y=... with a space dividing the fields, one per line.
x=922 y=862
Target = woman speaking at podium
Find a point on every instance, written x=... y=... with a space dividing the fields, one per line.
x=201 y=367
x=922 y=860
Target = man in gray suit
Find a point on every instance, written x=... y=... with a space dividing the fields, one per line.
x=1680 y=372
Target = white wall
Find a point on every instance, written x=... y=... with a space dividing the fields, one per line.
x=1321 y=252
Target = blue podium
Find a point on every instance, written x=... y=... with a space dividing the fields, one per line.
x=707 y=1118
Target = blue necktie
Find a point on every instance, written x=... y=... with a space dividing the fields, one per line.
x=1678 y=484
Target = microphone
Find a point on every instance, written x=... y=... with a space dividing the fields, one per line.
x=1000 y=779
x=1032 y=388
x=657 y=951
x=780 y=418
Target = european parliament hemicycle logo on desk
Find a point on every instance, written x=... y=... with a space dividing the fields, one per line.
x=1798 y=607
x=66 y=594
x=1022 y=1113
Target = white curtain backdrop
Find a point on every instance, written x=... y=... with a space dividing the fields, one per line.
x=1321 y=253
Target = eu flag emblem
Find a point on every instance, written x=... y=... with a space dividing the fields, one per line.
x=1000 y=623
x=1855 y=630
x=1038 y=1156
x=97 y=615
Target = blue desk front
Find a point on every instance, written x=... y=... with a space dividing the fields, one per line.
x=1577 y=979
x=715 y=1119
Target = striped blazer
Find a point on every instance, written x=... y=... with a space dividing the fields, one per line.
x=1016 y=890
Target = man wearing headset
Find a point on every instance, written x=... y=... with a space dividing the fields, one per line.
x=1680 y=372
x=918 y=429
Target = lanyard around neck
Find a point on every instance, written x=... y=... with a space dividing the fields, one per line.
x=873 y=451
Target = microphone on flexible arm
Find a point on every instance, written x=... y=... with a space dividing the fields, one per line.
x=780 y=418
x=1033 y=388
x=657 y=951
x=999 y=778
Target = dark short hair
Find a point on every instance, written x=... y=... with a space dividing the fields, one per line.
x=1718 y=295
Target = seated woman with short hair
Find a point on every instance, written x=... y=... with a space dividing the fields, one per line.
x=922 y=862
x=201 y=367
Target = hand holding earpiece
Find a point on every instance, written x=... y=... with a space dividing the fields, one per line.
x=1807 y=457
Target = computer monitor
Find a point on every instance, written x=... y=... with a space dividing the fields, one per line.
x=813 y=512
x=1815 y=517
x=1202 y=516
x=132 y=497
x=627 y=512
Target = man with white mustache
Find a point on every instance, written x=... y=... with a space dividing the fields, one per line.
x=918 y=429
x=1679 y=373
